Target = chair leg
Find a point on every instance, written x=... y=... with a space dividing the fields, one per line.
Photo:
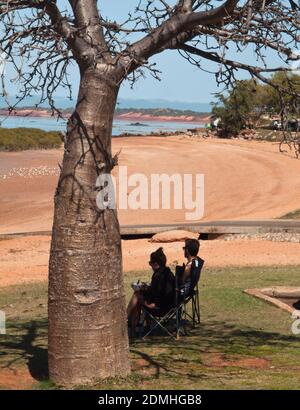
x=178 y=320
x=183 y=324
x=159 y=323
x=198 y=308
x=195 y=315
x=194 y=312
x=181 y=316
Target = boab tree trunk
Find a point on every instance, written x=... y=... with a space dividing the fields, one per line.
x=87 y=323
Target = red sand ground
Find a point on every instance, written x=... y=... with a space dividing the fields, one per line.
x=16 y=379
x=139 y=116
x=26 y=259
x=221 y=360
x=243 y=180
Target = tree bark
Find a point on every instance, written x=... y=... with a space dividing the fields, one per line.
x=87 y=320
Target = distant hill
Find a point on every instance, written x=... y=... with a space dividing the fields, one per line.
x=127 y=114
x=158 y=112
x=175 y=105
x=123 y=103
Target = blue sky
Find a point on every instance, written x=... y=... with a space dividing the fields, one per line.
x=180 y=81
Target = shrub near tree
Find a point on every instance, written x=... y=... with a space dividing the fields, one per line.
x=242 y=108
x=19 y=139
x=289 y=103
x=247 y=101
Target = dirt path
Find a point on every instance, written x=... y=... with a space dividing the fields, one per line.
x=243 y=180
x=25 y=259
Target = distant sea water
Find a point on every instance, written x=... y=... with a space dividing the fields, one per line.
x=119 y=126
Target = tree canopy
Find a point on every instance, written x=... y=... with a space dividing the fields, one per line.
x=40 y=38
x=247 y=100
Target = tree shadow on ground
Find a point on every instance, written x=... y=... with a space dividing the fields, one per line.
x=296 y=305
x=26 y=343
x=181 y=357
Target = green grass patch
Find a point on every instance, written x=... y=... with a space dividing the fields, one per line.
x=242 y=342
x=20 y=139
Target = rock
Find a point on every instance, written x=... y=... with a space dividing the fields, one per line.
x=274 y=237
x=174 y=236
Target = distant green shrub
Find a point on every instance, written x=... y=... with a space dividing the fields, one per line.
x=20 y=139
x=156 y=112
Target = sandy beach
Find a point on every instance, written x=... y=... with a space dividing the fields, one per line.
x=243 y=180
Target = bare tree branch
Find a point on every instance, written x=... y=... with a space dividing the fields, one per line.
x=158 y=38
x=195 y=27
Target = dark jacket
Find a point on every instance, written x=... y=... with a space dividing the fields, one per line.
x=162 y=288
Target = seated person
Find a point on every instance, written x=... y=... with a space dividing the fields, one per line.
x=191 y=250
x=157 y=298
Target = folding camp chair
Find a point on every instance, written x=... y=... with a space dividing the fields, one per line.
x=160 y=321
x=192 y=296
x=179 y=311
